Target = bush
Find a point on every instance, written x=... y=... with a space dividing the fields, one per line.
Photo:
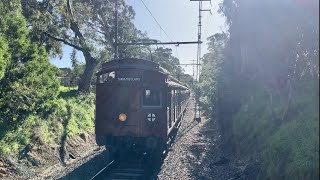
x=293 y=151
x=289 y=148
x=252 y=125
x=71 y=115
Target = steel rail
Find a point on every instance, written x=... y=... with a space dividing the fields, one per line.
x=102 y=170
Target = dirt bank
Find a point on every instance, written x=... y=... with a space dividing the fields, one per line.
x=40 y=161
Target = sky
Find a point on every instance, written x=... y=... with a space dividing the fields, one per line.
x=179 y=20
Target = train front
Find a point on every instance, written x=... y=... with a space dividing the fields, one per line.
x=131 y=105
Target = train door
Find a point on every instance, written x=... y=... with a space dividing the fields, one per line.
x=176 y=107
x=152 y=111
x=178 y=102
x=169 y=120
x=173 y=104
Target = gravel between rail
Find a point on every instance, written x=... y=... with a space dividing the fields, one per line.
x=197 y=154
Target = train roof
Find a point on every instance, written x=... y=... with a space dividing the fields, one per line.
x=131 y=63
x=177 y=85
x=135 y=63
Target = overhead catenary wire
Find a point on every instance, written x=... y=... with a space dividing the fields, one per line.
x=159 y=26
x=156 y=20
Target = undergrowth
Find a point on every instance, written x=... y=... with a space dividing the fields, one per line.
x=72 y=114
x=289 y=147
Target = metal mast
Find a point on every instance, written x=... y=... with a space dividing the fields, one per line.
x=197 y=75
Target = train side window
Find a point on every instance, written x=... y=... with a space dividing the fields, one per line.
x=111 y=75
x=151 y=98
x=102 y=78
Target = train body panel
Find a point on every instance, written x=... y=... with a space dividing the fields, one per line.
x=137 y=102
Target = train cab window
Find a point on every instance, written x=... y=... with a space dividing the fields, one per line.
x=151 y=98
x=106 y=77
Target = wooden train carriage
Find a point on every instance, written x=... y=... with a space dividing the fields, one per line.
x=137 y=104
x=178 y=96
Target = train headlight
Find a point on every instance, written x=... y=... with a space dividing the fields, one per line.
x=122 y=117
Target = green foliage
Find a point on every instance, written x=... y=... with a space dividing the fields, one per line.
x=289 y=149
x=48 y=131
x=294 y=150
x=28 y=82
x=211 y=71
x=264 y=86
x=164 y=57
x=294 y=147
x=77 y=68
x=252 y=124
x=87 y=26
x=81 y=117
x=4 y=55
x=13 y=141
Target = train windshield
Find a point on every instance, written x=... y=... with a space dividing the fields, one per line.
x=106 y=77
x=151 y=98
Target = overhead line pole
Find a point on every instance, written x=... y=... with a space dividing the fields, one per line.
x=197 y=67
x=197 y=76
x=193 y=62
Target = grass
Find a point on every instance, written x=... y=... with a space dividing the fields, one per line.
x=13 y=141
x=48 y=131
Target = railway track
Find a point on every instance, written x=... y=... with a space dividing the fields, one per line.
x=128 y=166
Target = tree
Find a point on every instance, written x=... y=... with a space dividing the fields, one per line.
x=211 y=71
x=164 y=57
x=28 y=83
x=77 y=68
x=269 y=76
x=87 y=26
x=3 y=56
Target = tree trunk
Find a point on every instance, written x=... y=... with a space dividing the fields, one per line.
x=85 y=80
x=270 y=104
x=288 y=101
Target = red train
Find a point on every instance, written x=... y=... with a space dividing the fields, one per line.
x=138 y=105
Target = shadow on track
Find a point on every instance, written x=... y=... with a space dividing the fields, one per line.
x=87 y=170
